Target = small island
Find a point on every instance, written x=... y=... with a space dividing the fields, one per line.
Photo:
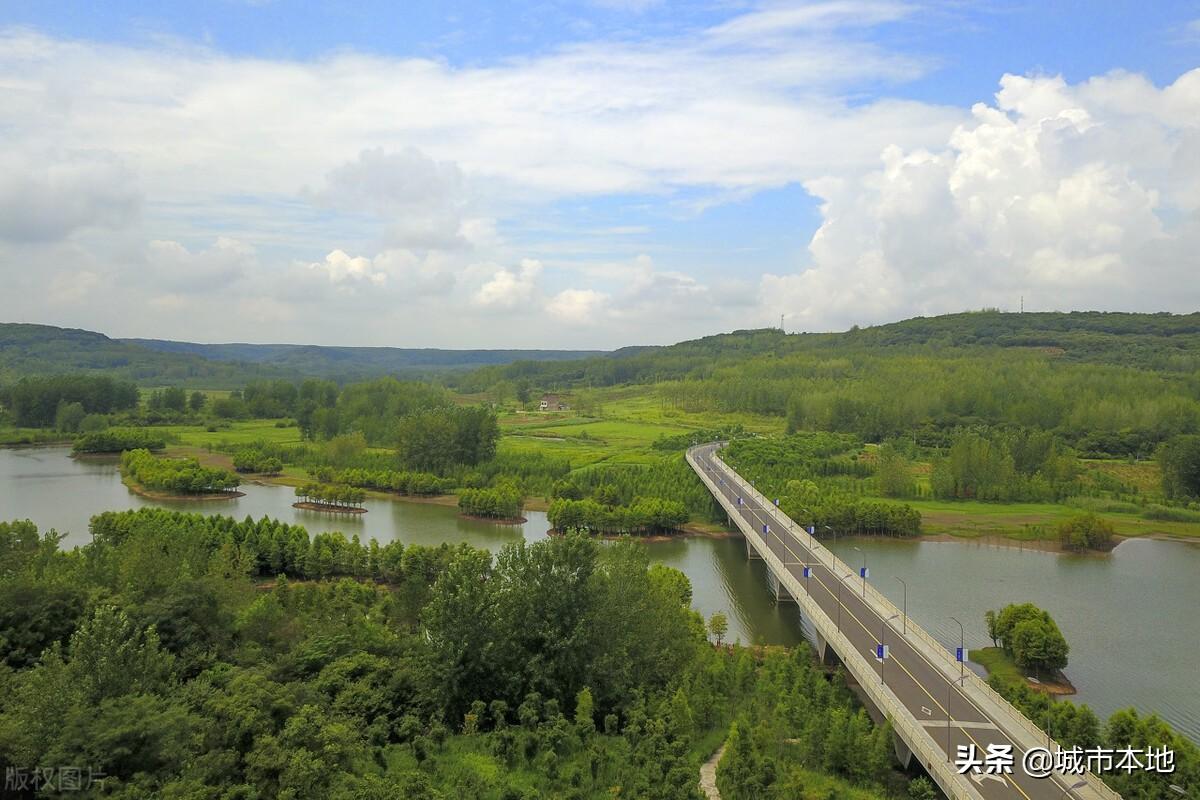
x=334 y=498
x=164 y=478
x=502 y=504
x=1028 y=649
x=603 y=513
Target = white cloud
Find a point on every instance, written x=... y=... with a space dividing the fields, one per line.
x=510 y=289
x=341 y=268
x=169 y=264
x=401 y=270
x=1072 y=196
x=46 y=196
x=578 y=306
x=421 y=200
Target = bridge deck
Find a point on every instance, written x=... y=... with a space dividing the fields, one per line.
x=935 y=705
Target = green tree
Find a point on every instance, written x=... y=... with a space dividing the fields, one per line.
x=69 y=416
x=718 y=626
x=892 y=472
x=1179 y=460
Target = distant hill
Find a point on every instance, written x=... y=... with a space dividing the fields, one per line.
x=1168 y=342
x=356 y=362
x=44 y=349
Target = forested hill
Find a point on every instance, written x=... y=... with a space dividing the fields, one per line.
x=27 y=349
x=1161 y=342
x=44 y=350
x=356 y=362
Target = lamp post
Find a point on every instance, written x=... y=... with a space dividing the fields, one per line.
x=905 y=585
x=863 y=573
x=839 y=621
x=962 y=645
x=883 y=624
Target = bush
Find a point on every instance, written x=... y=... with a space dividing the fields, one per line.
x=251 y=459
x=1086 y=532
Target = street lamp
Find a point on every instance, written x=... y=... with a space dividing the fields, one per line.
x=863 y=573
x=1073 y=787
x=905 y=585
x=883 y=624
x=843 y=580
x=962 y=646
x=949 y=714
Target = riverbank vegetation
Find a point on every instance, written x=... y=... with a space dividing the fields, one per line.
x=181 y=654
x=178 y=475
x=332 y=497
x=1076 y=725
x=643 y=516
x=116 y=440
x=253 y=459
x=503 y=502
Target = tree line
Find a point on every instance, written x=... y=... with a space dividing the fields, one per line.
x=252 y=459
x=644 y=515
x=183 y=475
x=114 y=440
x=36 y=401
x=331 y=495
x=502 y=502
x=800 y=471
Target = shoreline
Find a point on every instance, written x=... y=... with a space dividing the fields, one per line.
x=494 y=520
x=995 y=661
x=329 y=509
x=155 y=494
x=699 y=529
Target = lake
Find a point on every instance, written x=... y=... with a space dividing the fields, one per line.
x=1131 y=616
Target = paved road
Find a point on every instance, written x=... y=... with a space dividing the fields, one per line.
x=936 y=702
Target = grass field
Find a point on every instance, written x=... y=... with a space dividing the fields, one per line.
x=237 y=433
x=1030 y=521
x=620 y=427
x=18 y=436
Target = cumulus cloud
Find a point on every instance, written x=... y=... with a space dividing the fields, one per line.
x=1071 y=196
x=47 y=196
x=509 y=289
x=577 y=306
x=401 y=270
x=421 y=200
x=171 y=265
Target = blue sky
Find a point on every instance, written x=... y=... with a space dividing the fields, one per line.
x=474 y=174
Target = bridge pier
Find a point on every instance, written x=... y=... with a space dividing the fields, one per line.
x=826 y=655
x=751 y=553
x=782 y=595
x=903 y=752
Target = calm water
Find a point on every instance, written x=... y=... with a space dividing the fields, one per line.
x=1132 y=618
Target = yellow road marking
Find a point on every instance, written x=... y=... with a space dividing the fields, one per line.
x=949 y=716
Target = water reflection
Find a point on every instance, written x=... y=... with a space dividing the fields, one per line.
x=1130 y=617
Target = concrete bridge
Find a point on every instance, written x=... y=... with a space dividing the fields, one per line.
x=934 y=703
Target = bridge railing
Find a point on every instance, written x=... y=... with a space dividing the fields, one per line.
x=917 y=737
x=937 y=652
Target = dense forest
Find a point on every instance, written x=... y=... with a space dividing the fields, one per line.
x=42 y=349
x=189 y=656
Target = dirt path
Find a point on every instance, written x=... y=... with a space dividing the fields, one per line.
x=708 y=775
